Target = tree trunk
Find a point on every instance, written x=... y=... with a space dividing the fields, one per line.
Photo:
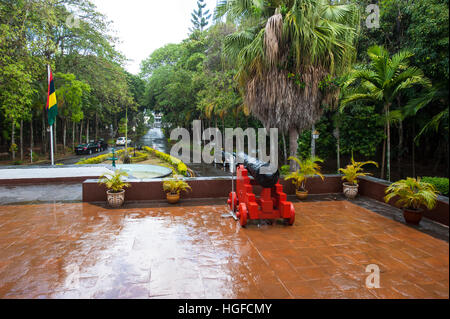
x=87 y=131
x=383 y=157
x=313 y=141
x=284 y=148
x=338 y=146
x=31 y=140
x=293 y=147
x=96 y=126
x=388 y=155
x=21 y=140
x=55 y=142
x=13 y=141
x=400 y=150
x=64 y=135
x=73 y=136
x=81 y=132
x=44 y=128
x=413 y=151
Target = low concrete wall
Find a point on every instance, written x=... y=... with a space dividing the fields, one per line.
x=220 y=187
x=375 y=188
x=217 y=187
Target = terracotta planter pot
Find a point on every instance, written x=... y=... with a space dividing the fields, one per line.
x=302 y=194
x=350 y=190
x=116 y=200
x=173 y=198
x=412 y=216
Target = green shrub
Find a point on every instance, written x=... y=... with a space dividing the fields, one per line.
x=441 y=184
x=178 y=164
x=285 y=170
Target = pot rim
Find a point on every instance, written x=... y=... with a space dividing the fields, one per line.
x=413 y=210
x=113 y=193
x=302 y=191
x=350 y=185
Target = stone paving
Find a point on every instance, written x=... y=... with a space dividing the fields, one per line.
x=193 y=251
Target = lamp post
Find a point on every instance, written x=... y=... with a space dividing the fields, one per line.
x=315 y=137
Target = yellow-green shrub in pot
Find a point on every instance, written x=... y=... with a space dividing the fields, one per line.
x=173 y=187
x=115 y=187
x=351 y=174
x=308 y=168
x=412 y=194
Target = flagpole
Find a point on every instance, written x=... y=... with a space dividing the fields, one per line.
x=51 y=126
x=51 y=144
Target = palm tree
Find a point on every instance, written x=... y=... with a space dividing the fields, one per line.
x=284 y=50
x=382 y=82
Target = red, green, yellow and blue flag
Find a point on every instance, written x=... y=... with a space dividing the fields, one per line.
x=52 y=105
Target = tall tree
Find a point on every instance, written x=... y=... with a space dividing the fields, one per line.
x=383 y=82
x=285 y=50
x=200 y=18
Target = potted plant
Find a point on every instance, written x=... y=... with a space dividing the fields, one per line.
x=115 y=187
x=308 y=168
x=412 y=194
x=351 y=174
x=173 y=187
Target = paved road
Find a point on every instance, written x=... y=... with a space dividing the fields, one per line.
x=71 y=160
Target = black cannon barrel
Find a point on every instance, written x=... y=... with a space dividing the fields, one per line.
x=254 y=167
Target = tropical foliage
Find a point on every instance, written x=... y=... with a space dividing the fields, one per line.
x=114 y=182
x=355 y=170
x=175 y=185
x=308 y=167
x=412 y=193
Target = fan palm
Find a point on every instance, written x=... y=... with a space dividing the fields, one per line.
x=382 y=82
x=284 y=50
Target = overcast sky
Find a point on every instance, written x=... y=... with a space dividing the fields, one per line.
x=146 y=25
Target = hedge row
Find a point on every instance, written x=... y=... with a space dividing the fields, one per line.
x=441 y=184
x=102 y=158
x=178 y=164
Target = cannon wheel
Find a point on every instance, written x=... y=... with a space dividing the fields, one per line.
x=291 y=220
x=243 y=214
x=236 y=202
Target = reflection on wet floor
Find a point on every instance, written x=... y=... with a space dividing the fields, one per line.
x=192 y=251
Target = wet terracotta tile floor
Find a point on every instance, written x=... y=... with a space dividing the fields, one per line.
x=192 y=251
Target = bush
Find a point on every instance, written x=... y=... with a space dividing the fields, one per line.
x=441 y=184
x=178 y=164
x=285 y=170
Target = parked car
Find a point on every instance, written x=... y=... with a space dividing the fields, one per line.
x=101 y=145
x=121 y=141
x=89 y=148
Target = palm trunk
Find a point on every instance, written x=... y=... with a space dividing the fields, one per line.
x=413 y=151
x=400 y=150
x=388 y=155
x=293 y=147
x=383 y=157
x=338 y=146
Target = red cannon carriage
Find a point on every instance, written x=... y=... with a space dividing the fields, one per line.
x=272 y=204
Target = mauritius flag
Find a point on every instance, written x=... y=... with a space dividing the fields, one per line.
x=52 y=105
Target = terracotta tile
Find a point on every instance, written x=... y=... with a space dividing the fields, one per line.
x=156 y=251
